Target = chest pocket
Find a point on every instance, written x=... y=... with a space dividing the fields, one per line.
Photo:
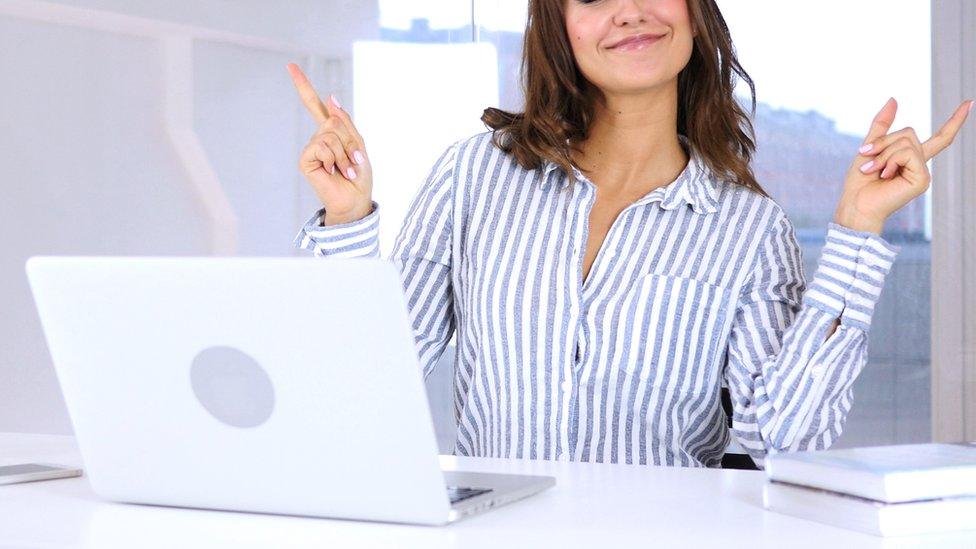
x=679 y=323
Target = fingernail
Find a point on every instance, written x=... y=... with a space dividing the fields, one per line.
x=867 y=165
x=866 y=147
x=335 y=101
x=332 y=169
x=351 y=173
x=358 y=157
x=971 y=103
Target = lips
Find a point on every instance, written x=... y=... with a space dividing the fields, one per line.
x=634 y=42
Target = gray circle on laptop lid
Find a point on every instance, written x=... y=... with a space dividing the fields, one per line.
x=232 y=386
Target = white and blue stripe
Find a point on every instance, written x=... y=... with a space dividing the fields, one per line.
x=698 y=283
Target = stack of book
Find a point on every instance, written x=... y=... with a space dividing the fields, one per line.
x=896 y=490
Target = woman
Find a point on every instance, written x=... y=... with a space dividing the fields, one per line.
x=607 y=258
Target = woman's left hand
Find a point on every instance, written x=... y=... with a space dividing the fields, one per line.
x=892 y=172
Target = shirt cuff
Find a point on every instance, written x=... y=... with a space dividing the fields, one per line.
x=850 y=274
x=354 y=239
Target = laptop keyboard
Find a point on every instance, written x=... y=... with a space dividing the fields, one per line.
x=458 y=493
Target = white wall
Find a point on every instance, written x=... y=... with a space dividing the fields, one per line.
x=93 y=161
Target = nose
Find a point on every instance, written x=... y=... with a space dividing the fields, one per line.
x=629 y=12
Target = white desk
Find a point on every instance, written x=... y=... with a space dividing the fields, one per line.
x=592 y=506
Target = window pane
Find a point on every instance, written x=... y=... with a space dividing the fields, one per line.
x=417 y=85
x=817 y=92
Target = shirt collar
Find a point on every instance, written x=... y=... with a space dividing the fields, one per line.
x=694 y=186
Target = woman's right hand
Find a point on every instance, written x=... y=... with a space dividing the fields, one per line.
x=334 y=162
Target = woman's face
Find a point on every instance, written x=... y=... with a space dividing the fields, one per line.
x=594 y=26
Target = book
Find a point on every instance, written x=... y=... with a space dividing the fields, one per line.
x=897 y=473
x=869 y=516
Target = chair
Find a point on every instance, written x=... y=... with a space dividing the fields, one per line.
x=730 y=460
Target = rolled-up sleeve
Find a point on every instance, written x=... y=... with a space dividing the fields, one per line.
x=422 y=252
x=790 y=383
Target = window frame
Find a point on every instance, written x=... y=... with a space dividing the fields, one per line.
x=953 y=227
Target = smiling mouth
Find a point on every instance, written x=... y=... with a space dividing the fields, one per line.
x=638 y=44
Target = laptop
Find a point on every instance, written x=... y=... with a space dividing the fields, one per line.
x=271 y=385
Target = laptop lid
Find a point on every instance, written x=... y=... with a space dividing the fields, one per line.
x=281 y=385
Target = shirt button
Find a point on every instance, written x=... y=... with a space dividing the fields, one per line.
x=869 y=259
x=561 y=456
x=566 y=386
x=817 y=370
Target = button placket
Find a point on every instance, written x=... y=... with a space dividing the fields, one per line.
x=580 y=233
x=564 y=428
x=568 y=432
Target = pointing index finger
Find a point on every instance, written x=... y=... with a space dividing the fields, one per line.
x=309 y=98
x=946 y=133
x=882 y=121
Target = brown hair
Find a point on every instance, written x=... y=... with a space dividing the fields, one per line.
x=559 y=101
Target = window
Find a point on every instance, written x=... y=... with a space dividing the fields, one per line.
x=817 y=92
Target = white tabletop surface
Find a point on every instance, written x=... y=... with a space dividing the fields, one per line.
x=592 y=505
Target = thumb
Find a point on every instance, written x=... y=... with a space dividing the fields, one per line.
x=882 y=121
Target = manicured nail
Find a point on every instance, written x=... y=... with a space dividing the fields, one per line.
x=335 y=101
x=867 y=165
x=866 y=147
x=971 y=103
x=332 y=169
x=358 y=157
x=351 y=173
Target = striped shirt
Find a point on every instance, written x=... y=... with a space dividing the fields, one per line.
x=697 y=284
